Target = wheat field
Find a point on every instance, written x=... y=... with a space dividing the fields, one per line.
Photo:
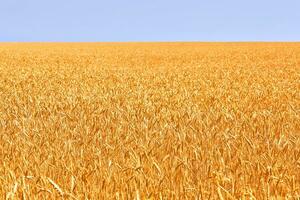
x=150 y=121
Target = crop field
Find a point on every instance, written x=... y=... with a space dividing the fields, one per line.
x=150 y=121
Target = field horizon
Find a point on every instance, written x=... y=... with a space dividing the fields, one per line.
x=149 y=120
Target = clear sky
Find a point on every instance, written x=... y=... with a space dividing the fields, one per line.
x=150 y=20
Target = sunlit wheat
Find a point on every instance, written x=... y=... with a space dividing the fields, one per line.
x=150 y=120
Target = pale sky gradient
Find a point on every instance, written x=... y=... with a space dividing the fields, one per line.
x=150 y=20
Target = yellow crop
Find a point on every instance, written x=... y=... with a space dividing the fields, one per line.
x=149 y=120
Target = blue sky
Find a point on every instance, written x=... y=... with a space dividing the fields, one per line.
x=155 y=20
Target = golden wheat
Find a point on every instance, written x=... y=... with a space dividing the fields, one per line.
x=150 y=120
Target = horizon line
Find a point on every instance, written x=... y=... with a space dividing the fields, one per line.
x=162 y=41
